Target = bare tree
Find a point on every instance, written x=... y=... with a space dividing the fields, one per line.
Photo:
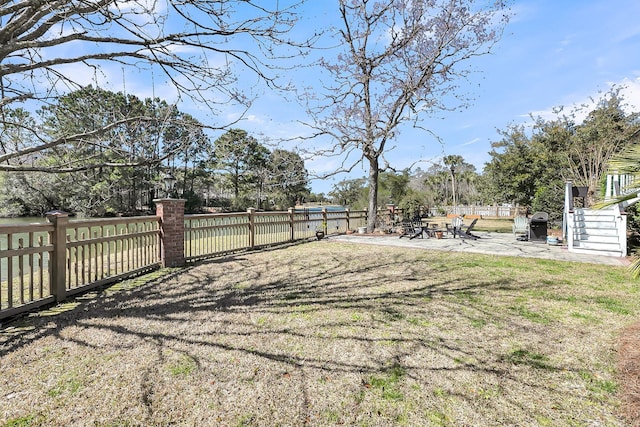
x=399 y=61
x=198 y=47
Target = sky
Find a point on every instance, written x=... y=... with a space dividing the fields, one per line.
x=554 y=53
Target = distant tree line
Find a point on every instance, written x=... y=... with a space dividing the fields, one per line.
x=528 y=166
x=131 y=156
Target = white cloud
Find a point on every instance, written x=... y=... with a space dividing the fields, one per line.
x=631 y=93
x=473 y=141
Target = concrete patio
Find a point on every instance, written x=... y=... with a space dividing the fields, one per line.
x=488 y=243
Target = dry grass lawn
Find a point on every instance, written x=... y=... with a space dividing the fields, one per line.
x=329 y=333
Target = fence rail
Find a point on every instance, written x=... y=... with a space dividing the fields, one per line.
x=490 y=211
x=44 y=263
x=215 y=234
x=102 y=250
x=24 y=258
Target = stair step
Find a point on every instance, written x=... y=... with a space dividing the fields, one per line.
x=582 y=231
x=595 y=218
x=597 y=238
x=596 y=225
x=596 y=252
x=598 y=246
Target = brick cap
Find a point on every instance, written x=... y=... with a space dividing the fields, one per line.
x=169 y=200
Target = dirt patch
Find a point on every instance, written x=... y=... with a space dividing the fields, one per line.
x=329 y=333
x=629 y=372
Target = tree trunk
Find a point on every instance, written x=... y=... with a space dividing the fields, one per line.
x=453 y=191
x=372 y=210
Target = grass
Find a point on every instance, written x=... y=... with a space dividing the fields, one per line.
x=329 y=333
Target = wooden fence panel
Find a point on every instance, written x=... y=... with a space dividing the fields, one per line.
x=24 y=266
x=94 y=252
x=101 y=250
x=212 y=234
x=43 y=263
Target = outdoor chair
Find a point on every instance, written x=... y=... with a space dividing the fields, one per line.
x=464 y=231
x=521 y=226
x=412 y=229
x=456 y=223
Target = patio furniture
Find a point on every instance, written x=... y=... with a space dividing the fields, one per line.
x=521 y=226
x=412 y=229
x=456 y=223
x=464 y=231
x=433 y=230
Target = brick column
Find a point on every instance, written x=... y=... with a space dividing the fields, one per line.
x=171 y=213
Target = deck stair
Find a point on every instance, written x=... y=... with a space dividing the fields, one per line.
x=598 y=231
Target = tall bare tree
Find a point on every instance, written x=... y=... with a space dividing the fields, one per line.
x=198 y=48
x=399 y=61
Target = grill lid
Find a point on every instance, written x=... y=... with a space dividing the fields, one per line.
x=540 y=217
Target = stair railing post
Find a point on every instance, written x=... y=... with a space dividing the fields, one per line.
x=621 y=229
x=567 y=223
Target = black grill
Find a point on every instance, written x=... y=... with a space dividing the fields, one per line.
x=538 y=226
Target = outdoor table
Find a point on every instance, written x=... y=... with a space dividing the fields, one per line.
x=431 y=232
x=423 y=227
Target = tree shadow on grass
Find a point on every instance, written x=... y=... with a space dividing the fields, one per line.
x=315 y=315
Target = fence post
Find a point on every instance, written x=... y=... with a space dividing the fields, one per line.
x=252 y=230
x=324 y=221
x=292 y=224
x=58 y=261
x=346 y=211
x=171 y=213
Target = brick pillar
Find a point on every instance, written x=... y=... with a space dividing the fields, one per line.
x=171 y=213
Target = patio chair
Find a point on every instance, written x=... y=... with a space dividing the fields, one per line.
x=412 y=229
x=521 y=226
x=456 y=223
x=464 y=231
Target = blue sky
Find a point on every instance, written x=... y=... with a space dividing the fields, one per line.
x=553 y=53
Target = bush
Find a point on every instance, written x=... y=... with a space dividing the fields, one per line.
x=410 y=206
x=549 y=200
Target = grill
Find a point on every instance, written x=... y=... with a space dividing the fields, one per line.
x=538 y=226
